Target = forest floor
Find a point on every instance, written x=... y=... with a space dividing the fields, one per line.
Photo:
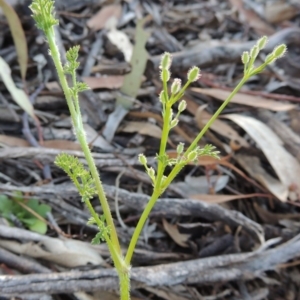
x=226 y=228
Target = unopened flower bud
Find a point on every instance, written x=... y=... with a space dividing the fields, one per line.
x=182 y=106
x=170 y=115
x=166 y=61
x=165 y=75
x=193 y=74
x=279 y=51
x=254 y=51
x=261 y=43
x=245 y=57
x=180 y=148
x=176 y=86
x=151 y=173
x=142 y=159
x=174 y=123
x=162 y=97
x=192 y=155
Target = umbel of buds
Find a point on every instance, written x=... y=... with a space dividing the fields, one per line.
x=248 y=58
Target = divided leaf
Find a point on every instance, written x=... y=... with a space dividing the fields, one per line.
x=82 y=178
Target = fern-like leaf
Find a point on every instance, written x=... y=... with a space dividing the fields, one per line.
x=104 y=230
x=81 y=178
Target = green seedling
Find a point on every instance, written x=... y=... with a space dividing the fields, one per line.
x=24 y=212
x=88 y=180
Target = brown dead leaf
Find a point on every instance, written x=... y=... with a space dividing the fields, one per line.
x=245 y=99
x=219 y=126
x=179 y=238
x=204 y=160
x=62 y=145
x=67 y=253
x=99 y=20
x=279 y=11
x=253 y=167
x=214 y=162
x=250 y=18
x=284 y=164
x=104 y=82
x=222 y=198
x=11 y=141
x=144 y=128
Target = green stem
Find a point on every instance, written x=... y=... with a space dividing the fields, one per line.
x=50 y=36
x=124 y=278
x=140 y=225
x=215 y=116
x=123 y=269
x=77 y=122
x=163 y=144
x=115 y=256
x=100 y=190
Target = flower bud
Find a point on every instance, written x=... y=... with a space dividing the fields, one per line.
x=165 y=75
x=192 y=156
x=162 y=97
x=142 y=159
x=170 y=115
x=254 y=52
x=279 y=51
x=182 y=106
x=193 y=74
x=180 y=148
x=176 y=86
x=261 y=43
x=245 y=57
x=166 y=61
x=151 y=173
x=174 y=123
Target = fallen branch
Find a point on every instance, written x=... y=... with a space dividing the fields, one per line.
x=200 y=271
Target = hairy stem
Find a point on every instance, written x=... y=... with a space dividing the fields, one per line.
x=140 y=225
x=163 y=144
x=124 y=278
x=77 y=122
